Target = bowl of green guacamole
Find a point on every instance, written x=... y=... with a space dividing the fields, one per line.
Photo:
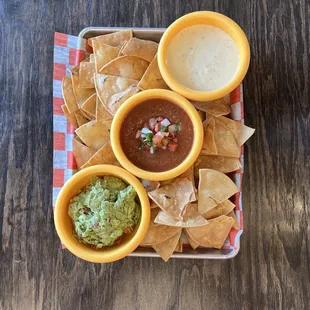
x=102 y=213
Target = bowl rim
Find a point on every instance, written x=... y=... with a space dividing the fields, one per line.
x=90 y=254
x=157 y=94
x=182 y=23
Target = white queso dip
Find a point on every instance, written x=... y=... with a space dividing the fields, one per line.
x=202 y=58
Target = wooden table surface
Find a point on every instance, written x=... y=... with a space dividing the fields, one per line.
x=272 y=269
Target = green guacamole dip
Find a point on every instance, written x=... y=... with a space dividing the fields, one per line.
x=104 y=210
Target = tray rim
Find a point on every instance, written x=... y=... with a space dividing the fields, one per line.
x=136 y=253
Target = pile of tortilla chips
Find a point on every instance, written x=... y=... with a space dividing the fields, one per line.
x=120 y=66
x=196 y=205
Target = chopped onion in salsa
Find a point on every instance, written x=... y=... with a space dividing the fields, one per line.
x=158 y=133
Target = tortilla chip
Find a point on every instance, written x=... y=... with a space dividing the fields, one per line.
x=81 y=152
x=81 y=94
x=240 y=132
x=101 y=112
x=221 y=209
x=152 y=77
x=130 y=67
x=95 y=134
x=86 y=115
x=144 y=49
x=209 y=146
x=191 y=219
x=214 y=234
x=190 y=240
x=174 y=197
x=189 y=175
x=232 y=214
x=116 y=39
x=86 y=75
x=76 y=68
x=166 y=248
x=158 y=233
x=70 y=116
x=104 y=156
x=68 y=94
x=219 y=163
x=216 y=107
x=214 y=188
x=89 y=106
x=150 y=185
x=154 y=205
x=179 y=246
x=202 y=115
x=113 y=91
x=80 y=118
x=103 y=54
x=225 y=142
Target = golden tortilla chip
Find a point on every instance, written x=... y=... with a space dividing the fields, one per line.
x=214 y=188
x=104 y=156
x=131 y=67
x=68 y=94
x=152 y=77
x=191 y=218
x=81 y=152
x=76 y=69
x=219 y=163
x=189 y=174
x=86 y=115
x=232 y=214
x=202 y=115
x=221 y=209
x=166 y=248
x=154 y=205
x=209 y=146
x=225 y=142
x=158 y=233
x=86 y=75
x=214 y=234
x=95 y=134
x=80 y=118
x=102 y=113
x=150 y=185
x=191 y=242
x=174 y=197
x=81 y=94
x=240 y=132
x=179 y=246
x=70 y=116
x=113 y=91
x=89 y=106
x=116 y=39
x=216 y=107
x=104 y=53
x=144 y=49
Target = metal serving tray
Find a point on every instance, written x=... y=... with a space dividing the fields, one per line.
x=155 y=34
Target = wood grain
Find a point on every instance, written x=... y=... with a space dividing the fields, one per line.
x=271 y=271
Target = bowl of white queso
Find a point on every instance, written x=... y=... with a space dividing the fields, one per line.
x=203 y=56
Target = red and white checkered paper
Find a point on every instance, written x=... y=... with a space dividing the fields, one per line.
x=68 y=52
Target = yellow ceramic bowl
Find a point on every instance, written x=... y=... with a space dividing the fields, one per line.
x=213 y=19
x=64 y=226
x=136 y=100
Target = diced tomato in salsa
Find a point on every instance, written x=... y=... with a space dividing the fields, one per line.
x=158 y=133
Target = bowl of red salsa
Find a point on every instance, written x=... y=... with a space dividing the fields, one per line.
x=157 y=134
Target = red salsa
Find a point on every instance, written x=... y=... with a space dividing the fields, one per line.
x=157 y=135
